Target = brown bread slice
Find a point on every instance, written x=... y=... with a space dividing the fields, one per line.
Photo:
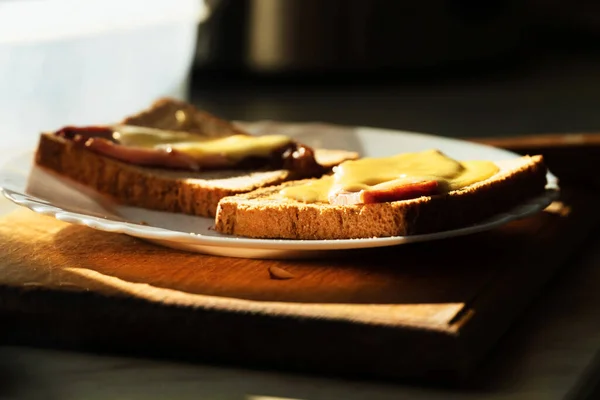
x=266 y=214
x=195 y=193
x=172 y=114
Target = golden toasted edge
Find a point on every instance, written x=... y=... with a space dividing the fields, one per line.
x=263 y=214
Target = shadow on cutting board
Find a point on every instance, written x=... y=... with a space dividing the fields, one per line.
x=449 y=271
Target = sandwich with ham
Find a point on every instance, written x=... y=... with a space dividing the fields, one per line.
x=406 y=194
x=174 y=157
x=177 y=158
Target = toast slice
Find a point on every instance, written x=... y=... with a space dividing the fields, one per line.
x=264 y=213
x=166 y=189
x=188 y=192
x=175 y=115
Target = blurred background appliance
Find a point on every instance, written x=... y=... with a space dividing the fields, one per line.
x=280 y=36
x=272 y=36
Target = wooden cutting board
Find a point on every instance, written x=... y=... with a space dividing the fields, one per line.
x=429 y=310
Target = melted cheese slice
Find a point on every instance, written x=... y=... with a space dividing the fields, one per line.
x=234 y=147
x=386 y=173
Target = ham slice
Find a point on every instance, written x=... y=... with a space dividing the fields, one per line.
x=398 y=193
x=145 y=157
x=172 y=115
x=101 y=140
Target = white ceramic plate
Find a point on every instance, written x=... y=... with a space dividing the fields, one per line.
x=48 y=194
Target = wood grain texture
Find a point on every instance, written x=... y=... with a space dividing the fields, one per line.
x=425 y=310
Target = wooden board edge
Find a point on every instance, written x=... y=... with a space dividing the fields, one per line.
x=134 y=326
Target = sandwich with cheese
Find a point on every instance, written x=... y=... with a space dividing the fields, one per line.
x=406 y=194
x=174 y=157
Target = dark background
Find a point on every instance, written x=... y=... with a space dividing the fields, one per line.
x=453 y=68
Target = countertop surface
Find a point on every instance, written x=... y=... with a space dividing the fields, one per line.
x=549 y=354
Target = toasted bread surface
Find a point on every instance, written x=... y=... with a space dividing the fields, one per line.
x=195 y=193
x=264 y=213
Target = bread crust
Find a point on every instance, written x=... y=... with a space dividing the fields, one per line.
x=265 y=214
x=194 y=193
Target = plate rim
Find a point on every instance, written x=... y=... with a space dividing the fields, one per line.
x=155 y=233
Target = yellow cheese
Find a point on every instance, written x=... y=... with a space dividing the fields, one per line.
x=387 y=173
x=316 y=191
x=234 y=147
